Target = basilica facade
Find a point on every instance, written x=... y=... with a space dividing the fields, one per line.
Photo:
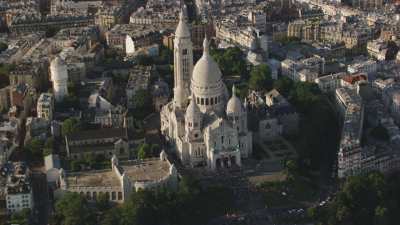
x=206 y=127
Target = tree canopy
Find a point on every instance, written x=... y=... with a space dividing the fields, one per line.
x=4 y=72
x=142 y=103
x=69 y=126
x=190 y=204
x=369 y=199
x=21 y=218
x=231 y=61
x=35 y=147
x=48 y=146
x=3 y=46
x=73 y=209
x=318 y=140
x=260 y=78
x=146 y=150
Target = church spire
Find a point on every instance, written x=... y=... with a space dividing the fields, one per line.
x=182 y=30
x=183 y=61
x=205 y=45
x=181 y=16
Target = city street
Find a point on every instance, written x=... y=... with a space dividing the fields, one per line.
x=41 y=199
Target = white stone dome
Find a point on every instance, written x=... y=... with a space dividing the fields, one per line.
x=58 y=69
x=182 y=30
x=206 y=72
x=234 y=104
x=207 y=85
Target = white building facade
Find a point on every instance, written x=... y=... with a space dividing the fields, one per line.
x=205 y=127
x=45 y=106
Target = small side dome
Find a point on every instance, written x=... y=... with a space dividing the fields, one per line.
x=192 y=110
x=234 y=104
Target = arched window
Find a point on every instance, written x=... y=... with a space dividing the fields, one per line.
x=207 y=101
x=211 y=101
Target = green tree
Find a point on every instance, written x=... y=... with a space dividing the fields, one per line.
x=75 y=165
x=142 y=103
x=318 y=141
x=161 y=206
x=260 y=78
x=47 y=151
x=68 y=102
x=103 y=202
x=69 y=126
x=291 y=170
x=284 y=85
x=369 y=199
x=144 y=151
x=4 y=74
x=112 y=217
x=90 y=160
x=35 y=147
x=231 y=61
x=3 y=46
x=48 y=146
x=21 y=218
x=73 y=209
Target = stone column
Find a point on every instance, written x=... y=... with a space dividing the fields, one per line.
x=213 y=162
x=238 y=160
